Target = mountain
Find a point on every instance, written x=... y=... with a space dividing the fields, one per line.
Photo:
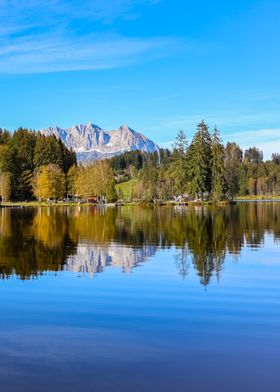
x=90 y=142
x=90 y=259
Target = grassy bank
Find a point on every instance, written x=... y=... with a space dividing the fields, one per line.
x=42 y=204
x=138 y=203
x=258 y=197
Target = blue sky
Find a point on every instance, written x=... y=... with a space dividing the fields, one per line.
x=157 y=65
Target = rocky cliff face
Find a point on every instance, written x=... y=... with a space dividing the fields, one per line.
x=90 y=142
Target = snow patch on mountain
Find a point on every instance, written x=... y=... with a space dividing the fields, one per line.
x=90 y=142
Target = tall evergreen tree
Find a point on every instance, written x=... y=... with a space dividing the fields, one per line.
x=5 y=136
x=68 y=157
x=233 y=165
x=253 y=155
x=23 y=143
x=179 y=163
x=219 y=185
x=200 y=156
x=9 y=163
x=48 y=151
x=275 y=157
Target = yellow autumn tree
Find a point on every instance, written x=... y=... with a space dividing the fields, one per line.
x=105 y=180
x=5 y=186
x=49 y=183
x=71 y=180
x=84 y=185
x=96 y=180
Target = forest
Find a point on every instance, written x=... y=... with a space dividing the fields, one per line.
x=204 y=169
x=29 y=161
x=34 y=166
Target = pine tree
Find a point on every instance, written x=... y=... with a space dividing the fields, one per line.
x=9 y=163
x=200 y=156
x=48 y=151
x=233 y=166
x=179 y=164
x=23 y=141
x=218 y=168
x=5 y=136
x=24 y=185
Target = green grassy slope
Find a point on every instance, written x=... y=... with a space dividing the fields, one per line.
x=127 y=189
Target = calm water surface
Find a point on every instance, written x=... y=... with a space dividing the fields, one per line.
x=140 y=299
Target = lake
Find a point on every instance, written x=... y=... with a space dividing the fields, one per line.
x=140 y=299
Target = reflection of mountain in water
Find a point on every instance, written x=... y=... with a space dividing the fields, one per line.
x=88 y=239
x=91 y=259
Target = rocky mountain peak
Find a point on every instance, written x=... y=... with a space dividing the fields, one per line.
x=91 y=142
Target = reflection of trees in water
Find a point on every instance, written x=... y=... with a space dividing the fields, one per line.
x=205 y=236
x=182 y=262
x=50 y=239
x=32 y=247
x=49 y=227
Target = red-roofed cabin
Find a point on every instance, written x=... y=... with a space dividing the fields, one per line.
x=93 y=199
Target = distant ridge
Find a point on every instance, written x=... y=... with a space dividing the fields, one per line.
x=90 y=142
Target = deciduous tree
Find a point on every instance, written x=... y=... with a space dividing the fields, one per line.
x=5 y=186
x=49 y=183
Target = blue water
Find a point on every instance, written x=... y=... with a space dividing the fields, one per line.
x=148 y=329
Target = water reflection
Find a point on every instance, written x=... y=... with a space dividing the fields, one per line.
x=87 y=240
x=91 y=259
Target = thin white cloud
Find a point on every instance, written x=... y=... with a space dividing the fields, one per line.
x=255 y=134
x=223 y=119
x=267 y=140
x=45 y=12
x=247 y=124
x=63 y=35
x=87 y=53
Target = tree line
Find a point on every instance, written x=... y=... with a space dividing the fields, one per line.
x=36 y=166
x=25 y=157
x=205 y=169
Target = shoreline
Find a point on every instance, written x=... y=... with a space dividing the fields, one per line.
x=36 y=204
x=258 y=198
x=116 y=204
